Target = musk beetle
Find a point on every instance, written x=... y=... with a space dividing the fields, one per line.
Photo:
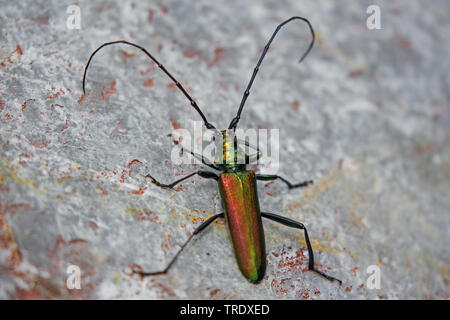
x=237 y=185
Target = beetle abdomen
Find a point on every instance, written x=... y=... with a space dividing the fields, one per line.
x=241 y=206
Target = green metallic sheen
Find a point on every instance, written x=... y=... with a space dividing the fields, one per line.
x=240 y=203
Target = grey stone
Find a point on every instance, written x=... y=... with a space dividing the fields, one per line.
x=366 y=116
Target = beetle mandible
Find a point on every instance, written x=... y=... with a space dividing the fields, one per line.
x=237 y=185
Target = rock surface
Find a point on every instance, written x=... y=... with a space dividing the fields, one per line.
x=366 y=116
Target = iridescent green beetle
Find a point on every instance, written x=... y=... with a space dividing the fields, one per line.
x=237 y=185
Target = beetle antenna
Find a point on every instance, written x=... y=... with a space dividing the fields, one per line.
x=235 y=120
x=192 y=101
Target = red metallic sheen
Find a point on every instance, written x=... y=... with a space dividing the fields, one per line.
x=240 y=202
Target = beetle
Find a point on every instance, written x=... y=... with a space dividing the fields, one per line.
x=237 y=185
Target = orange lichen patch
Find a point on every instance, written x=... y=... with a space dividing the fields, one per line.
x=37 y=288
x=304 y=294
x=218 y=56
x=278 y=287
x=132 y=162
x=162 y=291
x=101 y=9
x=149 y=216
x=150 y=68
x=219 y=222
x=48 y=54
x=81 y=99
x=2 y=105
x=195 y=219
x=12 y=209
x=116 y=131
x=357 y=221
x=270 y=182
x=128 y=54
x=293 y=206
x=65 y=126
x=150 y=15
x=223 y=85
x=56 y=94
x=354 y=270
x=317 y=245
x=7 y=241
x=356 y=73
x=123 y=176
x=24 y=105
x=296 y=262
x=190 y=53
x=214 y=294
x=12 y=173
x=41 y=21
x=163 y=9
x=63 y=176
x=104 y=96
x=175 y=124
x=73 y=251
x=139 y=191
x=444 y=270
x=93 y=225
x=8 y=60
x=296 y=105
x=143 y=214
x=74 y=241
x=319 y=38
x=165 y=244
x=149 y=82
x=39 y=143
x=403 y=42
x=172 y=85
x=135 y=268
x=60 y=243
x=19 y=51
x=424 y=148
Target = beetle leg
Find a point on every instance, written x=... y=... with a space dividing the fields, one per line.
x=268 y=177
x=201 y=173
x=196 y=231
x=294 y=224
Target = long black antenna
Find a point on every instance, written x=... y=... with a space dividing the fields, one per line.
x=235 y=120
x=193 y=103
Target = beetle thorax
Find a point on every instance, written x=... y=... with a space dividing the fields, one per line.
x=226 y=153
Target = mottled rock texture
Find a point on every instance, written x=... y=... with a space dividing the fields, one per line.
x=366 y=116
